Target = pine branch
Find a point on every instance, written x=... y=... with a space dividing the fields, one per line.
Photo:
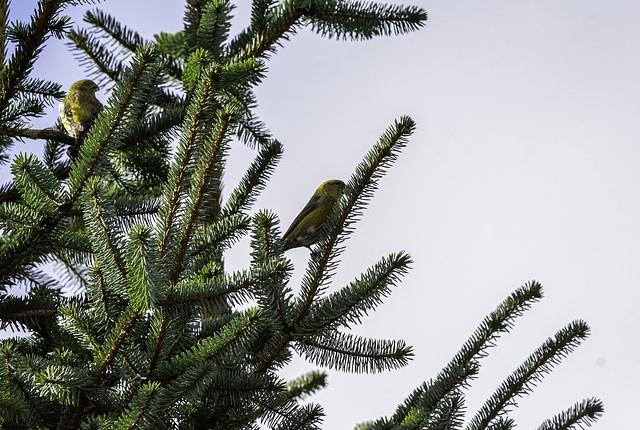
x=75 y=321
x=252 y=132
x=213 y=27
x=281 y=414
x=153 y=131
x=284 y=20
x=531 y=371
x=265 y=238
x=276 y=349
x=420 y=404
x=359 y=20
x=274 y=296
x=502 y=423
x=28 y=248
x=254 y=180
x=127 y=38
x=9 y=192
x=159 y=342
x=143 y=279
x=73 y=274
x=73 y=249
x=46 y=21
x=261 y=395
x=25 y=312
x=106 y=239
x=96 y=55
x=202 y=178
x=61 y=382
x=197 y=112
x=585 y=412
x=107 y=355
x=349 y=353
x=16 y=376
x=144 y=410
x=227 y=338
x=304 y=417
x=241 y=284
x=307 y=384
x=211 y=240
x=192 y=20
x=448 y=414
x=40 y=189
x=348 y=305
x=34 y=93
x=260 y=13
x=173 y=52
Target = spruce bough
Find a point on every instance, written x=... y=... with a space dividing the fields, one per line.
x=155 y=333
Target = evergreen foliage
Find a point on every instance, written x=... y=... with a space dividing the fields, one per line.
x=154 y=332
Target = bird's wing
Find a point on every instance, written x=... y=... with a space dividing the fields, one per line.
x=64 y=108
x=66 y=115
x=313 y=204
x=61 y=109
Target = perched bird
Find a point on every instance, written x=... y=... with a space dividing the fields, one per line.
x=78 y=111
x=306 y=227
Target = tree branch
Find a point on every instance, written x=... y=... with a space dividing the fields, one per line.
x=9 y=192
x=46 y=134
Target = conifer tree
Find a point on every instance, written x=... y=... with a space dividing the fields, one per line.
x=156 y=333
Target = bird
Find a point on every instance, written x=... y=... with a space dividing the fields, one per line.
x=305 y=228
x=79 y=110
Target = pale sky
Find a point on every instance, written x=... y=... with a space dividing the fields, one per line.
x=525 y=165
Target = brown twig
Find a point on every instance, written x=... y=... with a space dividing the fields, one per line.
x=46 y=134
x=4 y=12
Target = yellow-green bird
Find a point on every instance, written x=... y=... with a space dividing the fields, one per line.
x=306 y=227
x=80 y=108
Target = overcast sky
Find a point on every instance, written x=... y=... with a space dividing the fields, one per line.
x=525 y=165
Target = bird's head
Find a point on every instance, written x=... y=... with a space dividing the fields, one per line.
x=334 y=188
x=84 y=85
